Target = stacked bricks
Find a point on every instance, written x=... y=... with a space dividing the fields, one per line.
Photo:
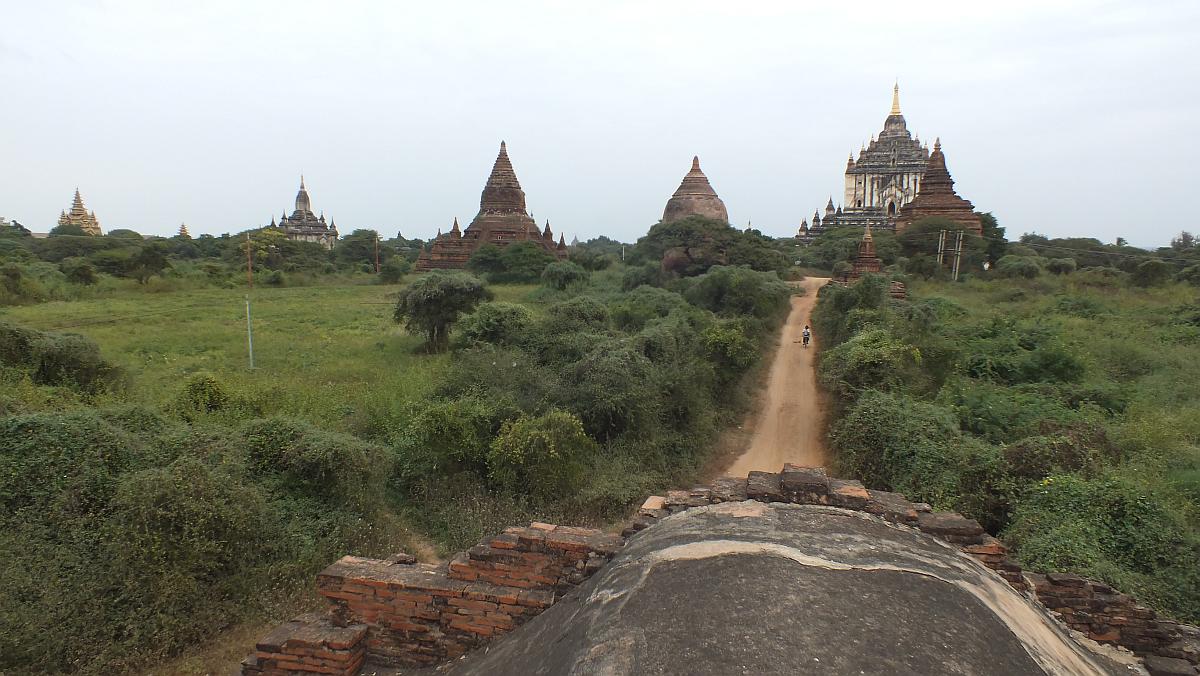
x=309 y=644
x=1090 y=607
x=401 y=613
x=407 y=614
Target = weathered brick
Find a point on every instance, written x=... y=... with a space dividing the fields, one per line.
x=763 y=486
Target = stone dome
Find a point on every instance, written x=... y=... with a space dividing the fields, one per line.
x=695 y=197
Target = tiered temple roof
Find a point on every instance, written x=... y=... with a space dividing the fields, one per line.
x=695 y=197
x=502 y=220
x=305 y=226
x=938 y=199
x=80 y=216
x=886 y=176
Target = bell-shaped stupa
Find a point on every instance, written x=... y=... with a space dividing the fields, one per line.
x=695 y=197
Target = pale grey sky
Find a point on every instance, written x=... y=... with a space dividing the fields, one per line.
x=1067 y=118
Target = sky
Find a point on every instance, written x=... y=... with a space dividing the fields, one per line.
x=1064 y=118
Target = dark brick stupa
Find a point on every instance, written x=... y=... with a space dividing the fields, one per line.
x=502 y=220
x=937 y=198
x=695 y=197
x=866 y=262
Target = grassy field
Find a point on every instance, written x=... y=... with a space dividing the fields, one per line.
x=321 y=353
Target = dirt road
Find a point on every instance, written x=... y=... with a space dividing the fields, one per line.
x=787 y=426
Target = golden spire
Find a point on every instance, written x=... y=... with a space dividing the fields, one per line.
x=896 y=99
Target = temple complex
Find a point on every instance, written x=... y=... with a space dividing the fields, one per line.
x=304 y=226
x=938 y=199
x=885 y=177
x=695 y=197
x=502 y=220
x=81 y=217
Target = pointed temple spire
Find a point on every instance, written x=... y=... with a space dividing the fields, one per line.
x=937 y=198
x=896 y=100
x=80 y=216
x=695 y=197
x=562 y=242
x=503 y=219
x=547 y=234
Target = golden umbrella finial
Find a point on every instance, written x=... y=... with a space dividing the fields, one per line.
x=896 y=99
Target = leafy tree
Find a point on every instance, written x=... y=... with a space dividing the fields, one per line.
x=433 y=303
x=359 y=247
x=690 y=246
x=522 y=262
x=122 y=233
x=67 y=229
x=394 y=270
x=730 y=291
x=1184 y=241
x=150 y=260
x=994 y=234
x=563 y=274
x=486 y=260
x=79 y=271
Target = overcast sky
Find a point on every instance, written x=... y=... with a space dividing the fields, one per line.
x=1066 y=118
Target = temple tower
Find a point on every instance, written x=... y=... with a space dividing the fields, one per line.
x=502 y=220
x=80 y=216
x=938 y=199
x=695 y=197
x=305 y=226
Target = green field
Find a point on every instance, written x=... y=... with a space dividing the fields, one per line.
x=321 y=353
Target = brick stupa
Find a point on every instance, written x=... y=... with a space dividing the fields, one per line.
x=502 y=220
x=937 y=198
x=866 y=262
x=695 y=197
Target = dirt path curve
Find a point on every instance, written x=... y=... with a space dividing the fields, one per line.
x=787 y=426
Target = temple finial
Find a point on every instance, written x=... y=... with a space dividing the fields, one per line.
x=695 y=163
x=896 y=99
x=937 y=143
x=503 y=148
x=301 y=181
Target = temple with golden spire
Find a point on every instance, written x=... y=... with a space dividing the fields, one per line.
x=305 y=226
x=885 y=177
x=502 y=220
x=81 y=217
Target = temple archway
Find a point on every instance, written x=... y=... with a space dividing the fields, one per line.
x=891 y=208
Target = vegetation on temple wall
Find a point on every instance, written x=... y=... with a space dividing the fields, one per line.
x=1056 y=406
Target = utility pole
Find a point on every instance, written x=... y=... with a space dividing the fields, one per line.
x=941 y=247
x=249 y=268
x=249 y=333
x=377 y=253
x=958 y=247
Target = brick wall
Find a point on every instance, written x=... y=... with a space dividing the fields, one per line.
x=402 y=613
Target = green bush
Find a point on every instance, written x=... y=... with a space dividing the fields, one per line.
x=562 y=275
x=872 y=359
x=613 y=392
x=57 y=358
x=730 y=291
x=433 y=303
x=630 y=311
x=1153 y=272
x=444 y=437
x=1060 y=266
x=1026 y=267
x=543 y=456
x=496 y=323
x=1116 y=529
x=394 y=270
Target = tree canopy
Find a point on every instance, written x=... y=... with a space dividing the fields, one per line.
x=433 y=303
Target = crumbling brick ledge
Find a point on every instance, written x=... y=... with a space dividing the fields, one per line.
x=397 y=612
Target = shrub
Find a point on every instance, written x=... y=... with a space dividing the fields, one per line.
x=79 y=271
x=577 y=314
x=394 y=270
x=57 y=358
x=1114 y=528
x=274 y=278
x=631 y=310
x=563 y=274
x=336 y=468
x=543 y=456
x=732 y=291
x=444 y=437
x=1189 y=275
x=1026 y=267
x=1153 y=272
x=1060 y=266
x=433 y=303
x=728 y=346
x=612 y=390
x=496 y=323
x=872 y=359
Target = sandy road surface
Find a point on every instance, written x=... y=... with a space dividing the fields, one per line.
x=787 y=427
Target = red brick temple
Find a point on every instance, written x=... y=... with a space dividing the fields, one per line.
x=502 y=220
x=937 y=198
